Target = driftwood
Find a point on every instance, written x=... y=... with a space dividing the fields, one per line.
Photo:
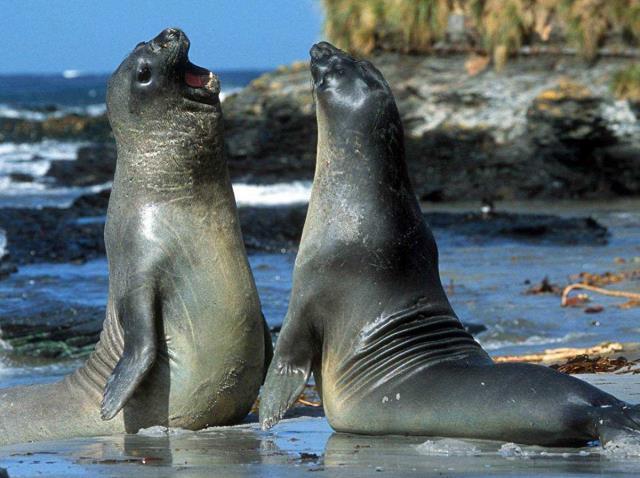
x=554 y=355
x=632 y=296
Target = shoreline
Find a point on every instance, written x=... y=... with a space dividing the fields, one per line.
x=303 y=442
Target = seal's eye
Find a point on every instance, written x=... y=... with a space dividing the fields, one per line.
x=144 y=74
x=340 y=72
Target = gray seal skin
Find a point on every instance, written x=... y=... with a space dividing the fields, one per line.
x=368 y=313
x=184 y=343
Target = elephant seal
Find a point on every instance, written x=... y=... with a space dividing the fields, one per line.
x=368 y=313
x=184 y=343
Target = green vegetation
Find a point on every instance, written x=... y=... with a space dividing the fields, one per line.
x=626 y=83
x=500 y=27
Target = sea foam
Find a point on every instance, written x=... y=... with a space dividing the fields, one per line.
x=295 y=192
x=12 y=112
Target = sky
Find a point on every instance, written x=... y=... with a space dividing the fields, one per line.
x=93 y=36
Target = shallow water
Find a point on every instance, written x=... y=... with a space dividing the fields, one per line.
x=485 y=282
x=301 y=445
x=35 y=159
x=305 y=443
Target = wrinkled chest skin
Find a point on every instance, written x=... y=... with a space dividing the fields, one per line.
x=368 y=313
x=374 y=291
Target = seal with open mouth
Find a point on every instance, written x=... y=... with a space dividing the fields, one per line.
x=184 y=343
x=368 y=313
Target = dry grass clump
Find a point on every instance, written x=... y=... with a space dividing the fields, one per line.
x=402 y=25
x=503 y=26
x=425 y=21
x=500 y=27
x=354 y=25
x=626 y=83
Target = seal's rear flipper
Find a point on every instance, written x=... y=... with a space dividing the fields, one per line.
x=619 y=424
x=140 y=346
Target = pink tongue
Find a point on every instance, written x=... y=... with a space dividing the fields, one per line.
x=195 y=81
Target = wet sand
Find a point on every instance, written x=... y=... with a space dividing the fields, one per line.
x=306 y=444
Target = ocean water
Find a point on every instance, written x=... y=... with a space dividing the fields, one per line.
x=485 y=281
x=40 y=96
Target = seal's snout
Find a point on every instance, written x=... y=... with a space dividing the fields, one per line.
x=170 y=36
x=165 y=60
x=172 y=32
x=322 y=51
x=323 y=57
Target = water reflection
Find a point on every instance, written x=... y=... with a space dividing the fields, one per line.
x=301 y=444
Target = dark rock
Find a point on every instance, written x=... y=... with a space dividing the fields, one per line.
x=533 y=131
x=270 y=131
x=76 y=234
x=620 y=165
x=522 y=227
x=272 y=228
x=474 y=329
x=95 y=164
x=69 y=127
x=52 y=332
x=491 y=135
x=50 y=235
x=92 y=204
x=7 y=267
x=21 y=178
x=567 y=121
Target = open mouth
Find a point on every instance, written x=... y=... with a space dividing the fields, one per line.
x=196 y=83
x=200 y=84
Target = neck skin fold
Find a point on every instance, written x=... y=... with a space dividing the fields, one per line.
x=360 y=167
x=172 y=165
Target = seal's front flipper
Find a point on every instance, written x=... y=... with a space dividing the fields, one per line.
x=284 y=384
x=288 y=373
x=268 y=347
x=136 y=311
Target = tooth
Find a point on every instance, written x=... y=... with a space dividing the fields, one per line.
x=211 y=82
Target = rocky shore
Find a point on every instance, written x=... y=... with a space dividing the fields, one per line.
x=544 y=127
x=547 y=126
x=75 y=234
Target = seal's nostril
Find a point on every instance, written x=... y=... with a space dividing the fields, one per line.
x=316 y=52
x=325 y=45
x=319 y=52
x=168 y=35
